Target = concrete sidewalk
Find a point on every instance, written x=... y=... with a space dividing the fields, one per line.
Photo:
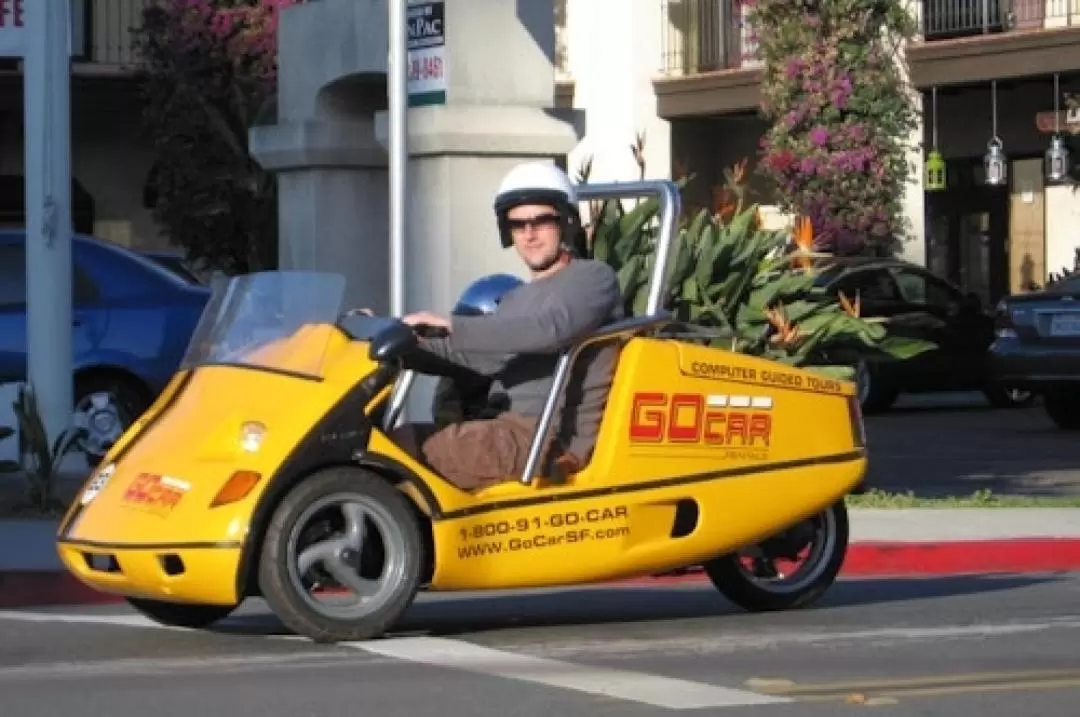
x=885 y=543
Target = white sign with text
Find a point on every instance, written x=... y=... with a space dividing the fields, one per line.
x=427 y=47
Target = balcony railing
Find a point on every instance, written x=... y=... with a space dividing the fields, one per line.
x=949 y=19
x=705 y=36
x=105 y=27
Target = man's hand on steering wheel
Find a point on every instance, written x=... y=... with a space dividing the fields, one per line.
x=427 y=323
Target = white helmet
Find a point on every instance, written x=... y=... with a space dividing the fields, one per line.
x=537 y=183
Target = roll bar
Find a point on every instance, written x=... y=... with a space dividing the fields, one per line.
x=667 y=193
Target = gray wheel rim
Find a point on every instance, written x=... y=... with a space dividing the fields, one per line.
x=823 y=544
x=1017 y=395
x=338 y=555
x=103 y=419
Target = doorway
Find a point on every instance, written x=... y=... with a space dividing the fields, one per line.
x=968 y=232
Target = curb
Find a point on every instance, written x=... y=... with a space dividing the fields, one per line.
x=872 y=559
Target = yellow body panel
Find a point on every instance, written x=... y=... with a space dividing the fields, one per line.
x=747 y=447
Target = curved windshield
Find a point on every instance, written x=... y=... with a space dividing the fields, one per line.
x=278 y=321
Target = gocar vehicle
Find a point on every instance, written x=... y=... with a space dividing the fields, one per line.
x=131 y=322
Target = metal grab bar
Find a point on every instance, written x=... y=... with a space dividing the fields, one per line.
x=626 y=327
x=667 y=193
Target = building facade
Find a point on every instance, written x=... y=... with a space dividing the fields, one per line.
x=687 y=72
x=110 y=158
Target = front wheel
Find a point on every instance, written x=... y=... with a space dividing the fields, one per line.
x=791 y=570
x=342 y=532
x=173 y=614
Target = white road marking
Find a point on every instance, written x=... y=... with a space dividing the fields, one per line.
x=733 y=643
x=620 y=684
x=102 y=619
x=123 y=667
x=626 y=685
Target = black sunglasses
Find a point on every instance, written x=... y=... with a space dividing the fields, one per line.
x=539 y=221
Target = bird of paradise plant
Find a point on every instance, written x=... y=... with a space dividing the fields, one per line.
x=753 y=290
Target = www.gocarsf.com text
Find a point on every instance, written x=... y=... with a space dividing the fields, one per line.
x=513 y=545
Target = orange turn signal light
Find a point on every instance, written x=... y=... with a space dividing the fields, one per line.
x=236 y=488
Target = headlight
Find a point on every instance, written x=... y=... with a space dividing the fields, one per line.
x=97 y=484
x=251 y=436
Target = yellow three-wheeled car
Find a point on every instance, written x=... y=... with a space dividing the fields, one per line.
x=264 y=469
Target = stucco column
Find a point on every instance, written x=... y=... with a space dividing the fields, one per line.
x=913 y=248
x=331 y=171
x=332 y=202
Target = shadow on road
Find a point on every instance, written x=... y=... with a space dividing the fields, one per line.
x=450 y=615
x=940 y=450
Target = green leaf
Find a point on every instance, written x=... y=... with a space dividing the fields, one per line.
x=845 y=373
x=904 y=348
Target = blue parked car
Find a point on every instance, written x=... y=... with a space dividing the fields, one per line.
x=132 y=320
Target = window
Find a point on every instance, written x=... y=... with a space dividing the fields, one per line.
x=13 y=279
x=919 y=288
x=871 y=284
x=12 y=276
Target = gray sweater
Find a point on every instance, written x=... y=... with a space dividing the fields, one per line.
x=519 y=345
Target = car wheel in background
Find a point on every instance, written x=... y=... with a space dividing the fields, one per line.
x=106 y=405
x=1003 y=396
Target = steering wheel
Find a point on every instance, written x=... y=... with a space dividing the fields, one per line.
x=428 y=331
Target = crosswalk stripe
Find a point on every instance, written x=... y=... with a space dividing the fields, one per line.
x=627 y=685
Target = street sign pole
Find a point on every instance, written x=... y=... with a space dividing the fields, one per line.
x=47 y=84
x=397 y=85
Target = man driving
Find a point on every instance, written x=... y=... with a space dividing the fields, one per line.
x=518 y=345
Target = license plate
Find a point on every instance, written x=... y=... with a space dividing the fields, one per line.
x=1065 y=325
x=156 y=493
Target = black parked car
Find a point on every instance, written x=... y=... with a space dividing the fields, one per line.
x=916 y=303
x=1038 y=347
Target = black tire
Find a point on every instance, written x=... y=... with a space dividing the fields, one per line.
x=130 y=398
x=1063 y=408
x=1001 y=396
x=876 y=394
x=173 y=614
x=729 y=578
x=277 y=581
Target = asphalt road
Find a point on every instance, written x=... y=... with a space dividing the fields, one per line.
x=996 y=647
x=954 y=444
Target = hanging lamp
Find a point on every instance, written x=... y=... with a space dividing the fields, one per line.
x=995 y=163
x=1057 y=154
x=935 y=179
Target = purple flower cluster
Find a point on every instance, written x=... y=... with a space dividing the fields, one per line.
x=838 y=113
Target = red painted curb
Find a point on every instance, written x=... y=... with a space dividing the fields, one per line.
x=1021 y=555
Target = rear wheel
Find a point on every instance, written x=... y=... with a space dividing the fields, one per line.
x=176 y=614
x=791 y=570
x=1063 y=408
x=341 y=533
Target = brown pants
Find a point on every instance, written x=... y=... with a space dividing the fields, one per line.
x=471 y=454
